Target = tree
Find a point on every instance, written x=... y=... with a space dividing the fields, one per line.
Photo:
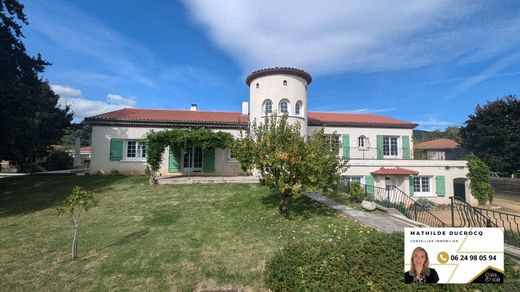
x=83 y=131
x=78 y=202
x=286 y=163
x=453 y=133
x=493 y=134
x=29 y=117
x=479 y=184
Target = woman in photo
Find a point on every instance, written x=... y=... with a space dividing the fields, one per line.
x=420 y=271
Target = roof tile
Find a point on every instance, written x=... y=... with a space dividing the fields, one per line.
x=395 y=171
x=442 y=143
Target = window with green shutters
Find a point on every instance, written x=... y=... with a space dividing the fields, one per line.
x=208 y=162
x=174 y=160
x=116 y=149
x=440 y=185
x=379 y=146
x=369 y=184
x=406 y=147
x=346 y=146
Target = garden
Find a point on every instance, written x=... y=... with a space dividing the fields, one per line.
x=189 y=237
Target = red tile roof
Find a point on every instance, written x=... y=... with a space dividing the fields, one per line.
x=438 y=144
x=353 y=120
x=395 y=171
x=143 y=117
x=150 y=116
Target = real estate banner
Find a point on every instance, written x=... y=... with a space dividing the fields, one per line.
x=454 y=255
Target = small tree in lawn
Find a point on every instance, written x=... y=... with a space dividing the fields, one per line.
x=78 y=202
x=479 y=174
x=287 y=164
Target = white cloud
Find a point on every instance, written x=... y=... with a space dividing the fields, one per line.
x=83 y=107
x=339 y=36
x=118 y=99
x=434 y=124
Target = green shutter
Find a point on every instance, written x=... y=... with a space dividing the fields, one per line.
x=116 y=149
x=208 y=161
x=369 y=183
x=174 y=160
x=410 y=179
x=441 y=186
x=379 y=146
x=406 y=147
x=346 y=146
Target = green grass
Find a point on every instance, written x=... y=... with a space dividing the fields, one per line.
x=140 y=237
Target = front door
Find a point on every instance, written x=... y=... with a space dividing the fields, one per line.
x=193 y=159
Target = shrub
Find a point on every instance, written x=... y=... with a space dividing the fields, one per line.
x=356 y=193
x=426 y=203
x=59 y=159
x=374 y=262
x=371 y=263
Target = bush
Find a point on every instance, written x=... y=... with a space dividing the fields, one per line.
x=371 y=263
x=355 y=193
x=59 y=159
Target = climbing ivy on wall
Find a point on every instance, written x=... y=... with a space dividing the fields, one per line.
x=156 y=143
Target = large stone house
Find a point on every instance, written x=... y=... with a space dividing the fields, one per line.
x=379 y=149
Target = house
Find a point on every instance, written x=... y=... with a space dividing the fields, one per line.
x=379 y=149
x=439 y=149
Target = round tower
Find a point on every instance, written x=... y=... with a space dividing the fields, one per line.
x=277 y=91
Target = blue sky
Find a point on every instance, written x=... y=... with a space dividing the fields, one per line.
x=428 y=61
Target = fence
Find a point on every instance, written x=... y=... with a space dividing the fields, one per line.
x=465 y=215
x=393 y=197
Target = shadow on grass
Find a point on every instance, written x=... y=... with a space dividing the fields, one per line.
x=130 y=237
x=297 y=208
x=26 y=194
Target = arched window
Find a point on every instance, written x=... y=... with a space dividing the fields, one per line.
x=268 y=107
x=363 y=142
x=298 y=109
x=285 y=83
x=284 y=106
x=258 y=85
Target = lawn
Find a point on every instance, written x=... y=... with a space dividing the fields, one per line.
x=165 y=237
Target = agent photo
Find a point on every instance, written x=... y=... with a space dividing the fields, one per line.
x=420 y=271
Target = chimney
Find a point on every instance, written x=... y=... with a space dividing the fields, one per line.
x=193 y=107
x=245 y=107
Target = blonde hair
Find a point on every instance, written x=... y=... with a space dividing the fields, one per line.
x=426 y=266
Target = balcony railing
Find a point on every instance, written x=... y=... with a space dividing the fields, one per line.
x=371 y=153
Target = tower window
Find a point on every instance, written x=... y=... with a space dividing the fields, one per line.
x=258 y=85
x=268 y=107
x=284 y=107
x=285 y=83
x=298 y=108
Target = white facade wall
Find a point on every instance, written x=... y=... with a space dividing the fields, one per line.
x=371 y=134
x=272 y=88
x=450 y=169
x=101 y=162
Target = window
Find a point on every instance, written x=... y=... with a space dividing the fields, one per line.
x=230 y=156
x=285 y=83
x=135 y=149
x=268 y=107
x=348 y=180
x=193 y=159
x=390 y=146
x=284 y=106
x=298 y=108
x=333 y=141
x=421 y=184
x=363 y=142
